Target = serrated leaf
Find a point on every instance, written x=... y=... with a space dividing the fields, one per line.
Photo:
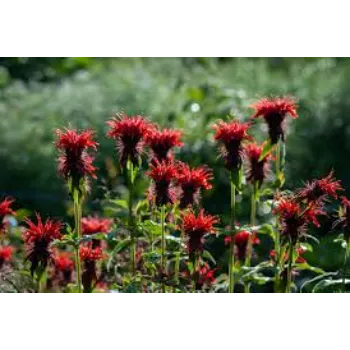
x=207 y=255
x=267 y=148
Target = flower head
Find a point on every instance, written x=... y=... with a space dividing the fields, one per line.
x=163 y=174
x=205 y=276
x=64 y=266
x=5 y=254
x=241 y=239
x=274 y=111
x=5 y=209
x=162 y=141
x=294 y=220
x=196 y=227
x=257 y=169
x=92 y=225
x=191 y=181
x=74 y=162
x=231 y=135
x=38 y=238
x=89 y=256
x=344 y=216
x=320 y=190
x=130 y=134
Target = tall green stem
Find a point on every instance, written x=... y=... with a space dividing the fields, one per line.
x=130 y=175
x=162 y=258
x=345 y=266
x=277 y=237
x=289 y=269
x=253 y=204
x=232 y=225
x=77 y=220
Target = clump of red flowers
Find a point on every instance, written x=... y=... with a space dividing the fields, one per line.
x=240 y=240
x=163 y=174
x=89 y=256
x=257 y=168
x=191 y=181
x=162 y=142
x=5 y=255
x=38 y=237
x=274 y=111
x=196 y=227
x=75 y=164
x=5 y=209
x=320 y=190
x=92 y=225
x=130 y=134
x=231 y=136
x=294 y=219
x=64 y=266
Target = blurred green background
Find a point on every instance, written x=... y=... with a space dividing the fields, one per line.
x=38 y=95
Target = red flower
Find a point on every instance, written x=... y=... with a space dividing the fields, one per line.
x=191 y=182
x=319 y=190
x=196 y=227
x=5 y=255
x=274 y=112
x=75 y=163
x=204 y=276
x=231 y=135
x=89 y=256
x=37 y=238
x=344 y=216
x=162 y=141
x=257 y=168
x=294 y=220
x=163 y=174
x=130 y=133
x=5 y=209
x=64 y=266
x=92 y=225
x=240 y=240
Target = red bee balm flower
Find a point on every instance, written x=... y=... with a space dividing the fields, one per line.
x=191 y=181
x=89 y=256
x=75 y=163
x=161 y=142
x=64 y=266
x=5 y=209
x=37 y=238
x=240 y=240
x=92 y=225
x=5 y=255
x=319 y=190
x=163 y=174
x=294 y=220
x=257 y=168
x=231 y=135
x=195 y=227
x=130 y=134
x=204 y=276
x=274 y=112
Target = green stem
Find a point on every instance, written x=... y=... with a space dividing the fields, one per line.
x=345 y=267
x=253 y=202
x=232 y=225
x=277 y=237
x=162 y=258
x=289 y=270
x=77 y=219
x=195 y=271
x=130 y=175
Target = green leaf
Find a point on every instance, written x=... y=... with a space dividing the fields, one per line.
x=306 y=246
x=207 y=255
x=267 y=148
x=122 y=245
x=120 y=203
x=323 y=285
